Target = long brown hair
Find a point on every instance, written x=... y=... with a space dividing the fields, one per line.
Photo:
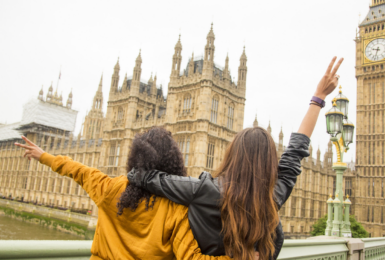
x=249 y=214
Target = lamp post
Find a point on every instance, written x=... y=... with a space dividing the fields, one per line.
x=341 y=131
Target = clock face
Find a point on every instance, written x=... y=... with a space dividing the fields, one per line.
x=375 y=50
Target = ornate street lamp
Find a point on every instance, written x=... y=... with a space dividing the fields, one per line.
x=341 y=131
x=334 y=120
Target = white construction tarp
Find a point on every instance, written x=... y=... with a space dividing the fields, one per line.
x=8 y=132
x=43 y=113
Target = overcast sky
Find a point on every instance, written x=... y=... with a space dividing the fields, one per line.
x=288 y=45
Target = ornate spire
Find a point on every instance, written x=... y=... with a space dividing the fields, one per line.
x=69 y=100
x=101 y=83
x=40 y=97
x=281 y=134
x=117 y=66
x=139 y=58
x=269 y=128
x=150 y=80
x=178 y=45
x=211 y=32
x=255 y=123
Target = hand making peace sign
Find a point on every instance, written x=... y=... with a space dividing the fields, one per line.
x=31 y=150
x=329 y=81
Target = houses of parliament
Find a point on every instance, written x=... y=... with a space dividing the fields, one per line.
x=203 y=110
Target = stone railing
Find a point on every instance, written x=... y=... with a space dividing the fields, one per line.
x=45 y=249
x=316 y=248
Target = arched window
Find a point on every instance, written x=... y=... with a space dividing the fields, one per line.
x=187 y=100
x=230 y=116
x=214 y=109
x=120 y=114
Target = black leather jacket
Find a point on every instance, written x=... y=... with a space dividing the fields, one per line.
x=202 y=196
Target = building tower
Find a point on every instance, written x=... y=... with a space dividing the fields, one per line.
x=176 y=59
x=208 y=63
x=93 y=122
x=115 y=78
x=242 y=72
x=280 y=144
x=370 y=130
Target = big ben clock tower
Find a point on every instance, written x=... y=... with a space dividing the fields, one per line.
x=369 y=201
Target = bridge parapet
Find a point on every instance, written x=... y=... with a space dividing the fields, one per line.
x=310 y=249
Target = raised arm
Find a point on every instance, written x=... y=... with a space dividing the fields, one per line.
x=290 y=164
x=178 y=189
x=326 y=86
x=94 y=182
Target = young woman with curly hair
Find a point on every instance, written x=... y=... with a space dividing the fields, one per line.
x=133 y=224
x=237 y=212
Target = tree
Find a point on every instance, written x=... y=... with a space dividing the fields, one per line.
x=357 y=229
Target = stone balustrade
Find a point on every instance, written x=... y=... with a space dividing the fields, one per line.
x=318 y=248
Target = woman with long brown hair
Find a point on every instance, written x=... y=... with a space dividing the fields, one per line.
x=237 y=211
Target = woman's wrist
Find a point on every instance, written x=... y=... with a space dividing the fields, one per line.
x=319 y=95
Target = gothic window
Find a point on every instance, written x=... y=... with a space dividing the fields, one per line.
x=303 y=208
x=113 y=159
x=373 y=189
x=293 y=206
x=214 y=109
x=210 y=154
x=52 y=189
x=367 y=214
x=368 y=188
x=372 y=214
x=45 y=184
x=187 y=101
x=374 y=122
x=382 y=187
x=369 y=154
x=120 y=115
x=334 y=186
x=348 y=187
x=230 y=117
x=184 y=146
x=68 y=186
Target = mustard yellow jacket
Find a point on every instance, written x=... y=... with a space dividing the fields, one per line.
x=159 y=233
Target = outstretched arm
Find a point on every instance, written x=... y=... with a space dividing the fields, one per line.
x=94 y=182
x=290 y=164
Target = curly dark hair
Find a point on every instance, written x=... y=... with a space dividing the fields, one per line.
x=154 y=149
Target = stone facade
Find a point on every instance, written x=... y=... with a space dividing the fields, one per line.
x=369 y=201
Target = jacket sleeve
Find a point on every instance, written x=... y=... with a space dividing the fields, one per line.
x=178 y=189
x=184 y=245
x=289 y=167
x=94 y=182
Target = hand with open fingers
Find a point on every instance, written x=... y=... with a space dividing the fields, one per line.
x=329 y=81
x=31 y=149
